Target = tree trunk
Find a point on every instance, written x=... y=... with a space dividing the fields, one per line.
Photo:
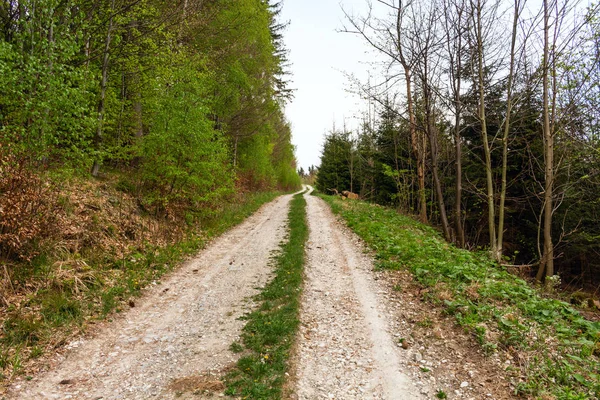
x=453 y=25
x=103 y=86
x=235 y=151
x=432 y=133
x=416 y=146
x=460 y=232
x=547 y=263
x=500 y=245
x=433 y=144
x=484 y=133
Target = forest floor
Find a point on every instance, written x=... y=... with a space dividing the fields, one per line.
x=360 y=337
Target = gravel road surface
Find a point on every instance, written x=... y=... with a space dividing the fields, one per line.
x=178 y=334
x=345 y=348
x=352 y=343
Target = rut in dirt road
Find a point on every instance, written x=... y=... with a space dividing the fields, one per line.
x=345 y=349
x=180 y=331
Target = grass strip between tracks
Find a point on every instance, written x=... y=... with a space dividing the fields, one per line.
x=268 y=335
x=553 y=350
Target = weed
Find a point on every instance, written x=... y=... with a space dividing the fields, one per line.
x=425 y=369
x=11 y=362
x=16 y=363
x=425 y=323
x=4 y=359
x=111 y=298
x=36 y=352
x=236 y=347
x=21 y=329
x=65 y=203
x=58 y=309
x=440 y=394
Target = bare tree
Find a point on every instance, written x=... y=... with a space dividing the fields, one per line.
x=548 y=71
x=483 y=16
x=455 y=24
x=424 y=37
x=518 y=7
x=392 y=40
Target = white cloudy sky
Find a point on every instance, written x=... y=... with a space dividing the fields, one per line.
x=320 y=56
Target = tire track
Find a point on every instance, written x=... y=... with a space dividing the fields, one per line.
x=345 y=350
x=181 y=329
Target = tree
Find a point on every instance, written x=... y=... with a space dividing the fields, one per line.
x=482 y=18
x=426 y=44
x=392 y=39
x=335 y=169
x=455 y=25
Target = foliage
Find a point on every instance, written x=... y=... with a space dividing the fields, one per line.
x=335 y=171
x=186 y=98
x=183 y=158
x=558 y=349
x=270 y=330
x=46 y=100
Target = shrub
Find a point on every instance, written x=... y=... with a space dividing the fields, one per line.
x=27 y=206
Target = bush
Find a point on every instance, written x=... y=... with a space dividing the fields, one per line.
x=27 y=206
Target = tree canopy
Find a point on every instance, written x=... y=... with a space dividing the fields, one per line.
x=488 y=114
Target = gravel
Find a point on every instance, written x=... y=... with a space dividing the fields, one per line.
x=179 y=331
x=345 y=349
x=360 y=337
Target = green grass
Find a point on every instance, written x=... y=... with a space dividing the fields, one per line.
x=555 y=350
x=63 y=307
x=269 y=332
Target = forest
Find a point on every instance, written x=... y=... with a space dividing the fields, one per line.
x=483 y=120
x=131 y=133
x=183 y=101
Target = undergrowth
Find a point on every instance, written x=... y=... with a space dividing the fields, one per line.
x=63 y=289
x=269 y=332
x=554 y=351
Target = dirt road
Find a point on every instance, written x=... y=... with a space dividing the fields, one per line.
x=345 y=348
x=180 y=332
x=175 y=342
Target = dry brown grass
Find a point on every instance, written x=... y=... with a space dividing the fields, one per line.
x=197 y=384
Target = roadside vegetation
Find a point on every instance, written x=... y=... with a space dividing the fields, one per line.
x=555 y=351
x=114 y=253
x=268 y=336
x=483 y=120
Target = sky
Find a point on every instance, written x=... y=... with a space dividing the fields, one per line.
x=320 y=55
